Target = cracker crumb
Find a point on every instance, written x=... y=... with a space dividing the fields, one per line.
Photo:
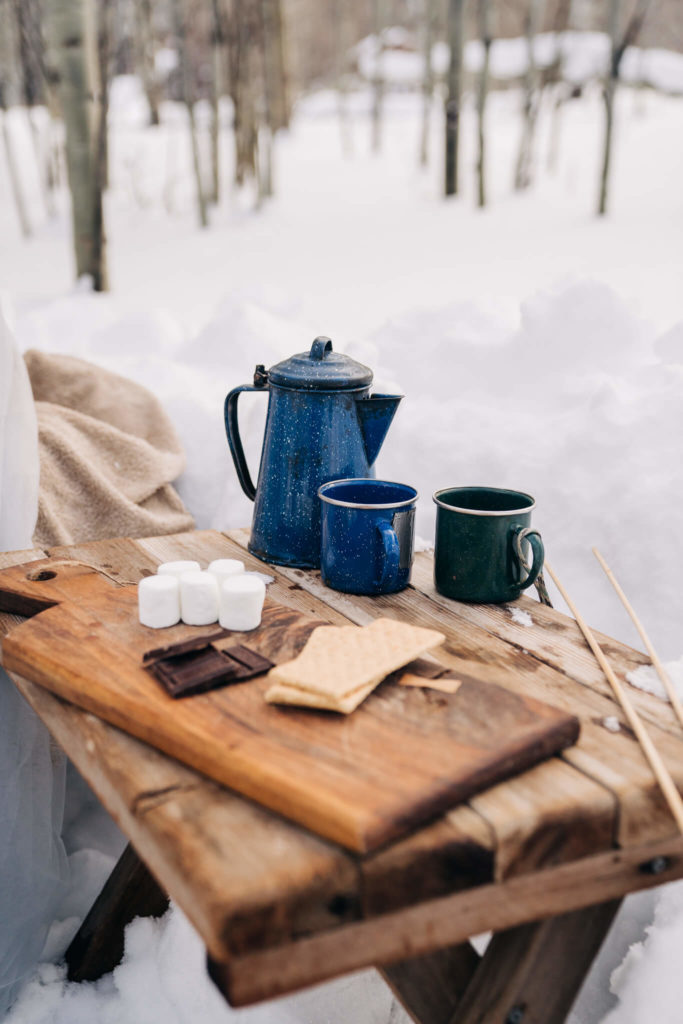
x=611 y=723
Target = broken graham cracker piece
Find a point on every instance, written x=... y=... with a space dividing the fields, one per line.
x=445 y=684
x=341 y=665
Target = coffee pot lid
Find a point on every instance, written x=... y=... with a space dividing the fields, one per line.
x=321 y=369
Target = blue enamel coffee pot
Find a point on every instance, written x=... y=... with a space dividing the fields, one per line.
x=322 y=424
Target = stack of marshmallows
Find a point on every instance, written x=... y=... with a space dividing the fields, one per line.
x=181 y=590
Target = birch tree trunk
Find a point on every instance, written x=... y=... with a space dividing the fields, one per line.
x=272 y=99
x=343 y=38
x=428 y=14
x=6 y=53
x=275 y=65
x=34 y=89
x=379 y=11
x=145 y=58
x=454 y=93
x=608 y=94
x=242 y=44
x=559 y=89
x=484 y=24
x=105 y=43
x=523 y=171
x=619 y=45
x=73 y=33
x=187 y=85
x=218 y=42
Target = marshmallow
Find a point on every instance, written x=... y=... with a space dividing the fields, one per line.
x=241 y=602
x=177 y=568
x=224 y=568
x=159 y=601
x=198 y=598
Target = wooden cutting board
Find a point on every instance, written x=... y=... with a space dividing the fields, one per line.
x=405 y=755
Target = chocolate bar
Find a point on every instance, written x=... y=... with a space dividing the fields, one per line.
x=185 y=673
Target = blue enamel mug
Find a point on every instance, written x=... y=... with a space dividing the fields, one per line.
x=368 y=529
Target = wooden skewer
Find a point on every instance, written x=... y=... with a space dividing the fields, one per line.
x=660 y=770
x=661 y=671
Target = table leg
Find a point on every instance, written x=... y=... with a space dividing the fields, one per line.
x=531 y=974
x=130 y=891
x=429 y=987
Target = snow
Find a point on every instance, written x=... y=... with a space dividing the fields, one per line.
x=521 y=617
x=584 y=57
x=538 y=347
x=646 y=678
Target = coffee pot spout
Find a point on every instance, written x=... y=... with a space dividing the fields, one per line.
x=375 y=414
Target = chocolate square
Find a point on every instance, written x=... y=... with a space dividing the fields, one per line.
x=190 y=672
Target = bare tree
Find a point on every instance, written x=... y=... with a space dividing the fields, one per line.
x=34 y=89
x=532 y=96
x=620 y=41
x=428 y=16
x=342 y=35
x=275 y=64
x=72 y=32
x=273 y=105
x=106 y=11
x=218 y=58
x=188 y=92
x=454 y=93
x=379 y=15
x=558 y=88
x=6 y=53
x=145 y=58
x=484 y=14
x=243 y=32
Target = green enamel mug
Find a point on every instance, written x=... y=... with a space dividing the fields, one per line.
x=481 y=549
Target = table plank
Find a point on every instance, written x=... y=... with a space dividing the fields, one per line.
x=450 y=920
x=554 y=638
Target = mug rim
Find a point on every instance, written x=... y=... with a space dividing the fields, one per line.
x=484 y=512
x=372 y=505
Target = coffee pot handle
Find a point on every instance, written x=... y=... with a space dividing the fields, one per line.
x=235 y=441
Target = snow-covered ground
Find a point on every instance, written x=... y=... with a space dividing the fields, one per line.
x=538 y=347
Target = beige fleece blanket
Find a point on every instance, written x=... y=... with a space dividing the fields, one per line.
x=108 y=455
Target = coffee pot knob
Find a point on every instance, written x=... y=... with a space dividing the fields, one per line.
x=260 y=376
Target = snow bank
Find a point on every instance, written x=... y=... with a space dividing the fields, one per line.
x=576 y=406
x=162 y=980
x=648 y=981
x=583 y=57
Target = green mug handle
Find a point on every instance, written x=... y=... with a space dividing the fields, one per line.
x=522 y=533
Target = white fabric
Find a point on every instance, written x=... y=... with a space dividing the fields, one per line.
x=19 y=465
x=33 y=862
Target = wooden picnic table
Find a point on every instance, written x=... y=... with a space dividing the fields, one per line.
x=542 y=859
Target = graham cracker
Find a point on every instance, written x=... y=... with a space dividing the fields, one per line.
x=341 y=665
x=280 y=693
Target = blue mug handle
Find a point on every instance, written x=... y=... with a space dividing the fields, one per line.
x=390 y=556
